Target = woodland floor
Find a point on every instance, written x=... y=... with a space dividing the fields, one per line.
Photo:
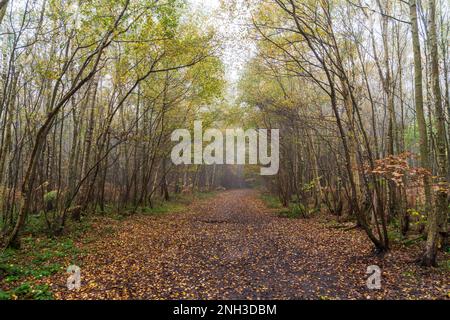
x=231 y=246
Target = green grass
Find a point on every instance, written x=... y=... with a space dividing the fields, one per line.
x=27 y=291
x=445 y=265
x=163 y=208
x=178 y=203
x=42 y=255
x=289 y=214
x=36 y=225
x=271 y=201
x=294 y=211
x=394 y=235
x=39 y=257
x=204 y=195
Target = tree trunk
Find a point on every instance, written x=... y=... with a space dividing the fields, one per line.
x=418 y=90
x=437 y=218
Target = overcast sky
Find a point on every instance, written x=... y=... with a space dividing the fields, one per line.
x=237 y=48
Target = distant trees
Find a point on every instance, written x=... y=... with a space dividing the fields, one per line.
x=90 y=93
x=334 y=76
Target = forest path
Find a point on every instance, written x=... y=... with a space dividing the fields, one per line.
x=233 y=247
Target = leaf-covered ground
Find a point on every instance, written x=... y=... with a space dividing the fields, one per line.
x=233 y=247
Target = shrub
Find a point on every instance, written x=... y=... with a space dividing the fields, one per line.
x=50 y=200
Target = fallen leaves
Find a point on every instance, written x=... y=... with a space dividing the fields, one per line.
x=233 y=247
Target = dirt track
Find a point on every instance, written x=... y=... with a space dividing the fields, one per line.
x=232 y=247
